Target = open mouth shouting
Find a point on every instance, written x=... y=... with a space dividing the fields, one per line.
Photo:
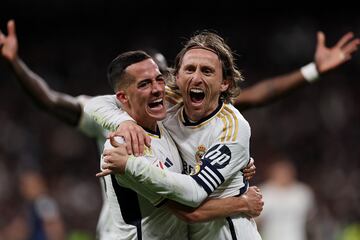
x=197 y=95
x=157 y=104
x=156 y=108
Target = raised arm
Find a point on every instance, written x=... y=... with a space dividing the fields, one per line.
x=62 y=106
x=325 y=58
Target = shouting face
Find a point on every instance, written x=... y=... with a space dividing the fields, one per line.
x=200 y=80
x=144 y=97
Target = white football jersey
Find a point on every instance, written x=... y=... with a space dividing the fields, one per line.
x=214 y=150
x=90 y=128
x=133 y=210
x=287 y=210
x=218 y=145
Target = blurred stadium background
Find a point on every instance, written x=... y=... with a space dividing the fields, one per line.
x=70 y=43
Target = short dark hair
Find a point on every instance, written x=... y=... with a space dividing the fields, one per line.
x=116 y=70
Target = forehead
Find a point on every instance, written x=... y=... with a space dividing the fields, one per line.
x=143 y=70
x=200 y=56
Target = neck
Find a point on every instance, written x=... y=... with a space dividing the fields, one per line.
x=150 y=125
x=194 y=116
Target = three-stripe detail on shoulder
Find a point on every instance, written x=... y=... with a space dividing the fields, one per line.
x=230 y=124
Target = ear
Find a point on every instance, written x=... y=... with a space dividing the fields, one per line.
x=224 y=85
x=122 y=97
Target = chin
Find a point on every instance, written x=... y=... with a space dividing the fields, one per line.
x=158 y=116
x=198 y=110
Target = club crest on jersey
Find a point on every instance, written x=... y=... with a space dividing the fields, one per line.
x=201 y=150
x=148 y=151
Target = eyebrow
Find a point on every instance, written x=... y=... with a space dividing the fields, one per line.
x=149 y=79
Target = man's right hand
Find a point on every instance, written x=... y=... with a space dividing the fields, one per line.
x=135 y=137
x=115 y=159
x=255 y=203
x=9 y=43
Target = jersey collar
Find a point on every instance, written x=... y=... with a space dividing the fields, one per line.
x=186 y=121
x=155 y=134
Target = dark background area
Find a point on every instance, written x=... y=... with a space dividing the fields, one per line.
x=70 y=43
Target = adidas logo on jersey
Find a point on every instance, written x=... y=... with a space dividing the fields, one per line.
x=168 y=163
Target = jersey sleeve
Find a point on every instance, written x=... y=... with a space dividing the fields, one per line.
x=190 y=190
x=221 y=162
x=107 y=112
x=129 y=182
x=86 y=124
x=227 y=156
x=175 y=186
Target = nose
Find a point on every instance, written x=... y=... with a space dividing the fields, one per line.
x=197 y=77
x=157 y=88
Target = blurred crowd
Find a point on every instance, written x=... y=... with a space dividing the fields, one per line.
x=317 y=127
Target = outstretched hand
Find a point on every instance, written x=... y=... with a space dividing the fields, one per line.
x=327 y=59
x=9 y=44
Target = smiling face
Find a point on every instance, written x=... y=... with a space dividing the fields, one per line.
x=143 y=98
x=200 y=81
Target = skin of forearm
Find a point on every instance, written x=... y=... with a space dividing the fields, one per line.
x=209 y=210
x=62 y=106
x=269 y=90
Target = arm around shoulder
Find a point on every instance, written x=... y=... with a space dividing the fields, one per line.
x=106 y=112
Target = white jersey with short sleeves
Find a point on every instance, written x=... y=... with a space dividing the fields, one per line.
x=133 y=210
